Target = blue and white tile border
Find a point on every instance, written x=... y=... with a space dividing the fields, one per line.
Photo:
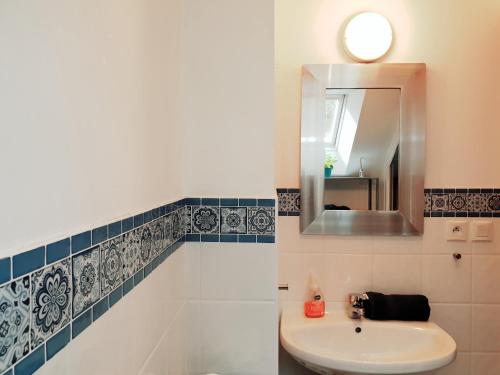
x=473 y=202
x=439 y=202
x=51 y=294
x=246 y=220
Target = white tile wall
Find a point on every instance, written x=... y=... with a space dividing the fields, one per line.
x=232 y=271
x=486 y=328
x=397 y=273
x=337 y=274
x=461 y=366
x=485 y=279
x=456 y=320
x=239 y=337
x=178 y=351
x=446 y=280
x=485 y=363
x=464 y=295
x=236 y=300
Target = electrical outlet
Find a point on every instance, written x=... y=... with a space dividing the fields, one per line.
x=457 y=230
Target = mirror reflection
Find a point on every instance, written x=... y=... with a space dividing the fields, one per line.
x=361 y=149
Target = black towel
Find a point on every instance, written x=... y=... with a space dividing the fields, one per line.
x=379 y=306
x=335 y=207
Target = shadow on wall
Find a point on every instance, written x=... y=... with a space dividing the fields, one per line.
x=289 y=366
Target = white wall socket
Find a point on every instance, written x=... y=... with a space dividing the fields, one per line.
x=482 y=230
x=457 y=230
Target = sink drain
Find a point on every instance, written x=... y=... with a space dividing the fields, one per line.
x=358 y=329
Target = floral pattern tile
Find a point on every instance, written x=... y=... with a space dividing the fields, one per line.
x=111 y=265
x=440 y=202
x=205 y=219
x=458 y=202
x=86 y=280
x=477 y=202
x=146 y=244
x=289 y=202
x=131 y=249
x=51 y=301
x=157 y=232
x=233 y=220
x=494 y=202
x=168 y=238
x=14 y=322
x=261 y=220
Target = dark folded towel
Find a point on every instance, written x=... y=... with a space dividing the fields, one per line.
x=379 y=306
x=335 y=207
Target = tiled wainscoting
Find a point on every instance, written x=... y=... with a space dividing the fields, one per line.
x=464 y=295
x=230 y=220
x=462 y=202
x=439 y=202
x=61 y=288
x=51 y=294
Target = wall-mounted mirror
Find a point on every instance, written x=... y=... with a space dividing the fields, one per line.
x=363 y=145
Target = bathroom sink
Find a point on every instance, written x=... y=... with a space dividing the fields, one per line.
x=336 y=344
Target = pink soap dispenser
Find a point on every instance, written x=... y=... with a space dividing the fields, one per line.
x=315 y=307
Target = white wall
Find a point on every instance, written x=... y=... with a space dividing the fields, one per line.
x=89 y=115
x=90 y=133
x=456 y=39
x=228 y=85
x=236 y=306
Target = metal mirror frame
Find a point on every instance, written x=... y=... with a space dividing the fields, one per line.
x=409 y=219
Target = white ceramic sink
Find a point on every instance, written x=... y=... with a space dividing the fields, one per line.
x=331 y=345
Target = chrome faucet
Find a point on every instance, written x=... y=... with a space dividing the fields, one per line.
x=355 y=310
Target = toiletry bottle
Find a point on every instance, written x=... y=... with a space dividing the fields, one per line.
x=314 y=308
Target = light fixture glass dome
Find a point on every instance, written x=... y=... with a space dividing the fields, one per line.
x=368 y=36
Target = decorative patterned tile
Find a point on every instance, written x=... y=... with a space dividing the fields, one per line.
x=493 y=202
x=111 y=265
x=477 y=202
x=168 y=238
x=86 y=280
x=14 y=322
x=233 y=220
x=289 y=202
x=131 y=249
x=261 y=220
x=146 y=244
x=187 y=219
x=457 y=202
x=177 y=225
x=428 y=202
x=205 y=219
x=158 y=232
x=440 y=202
x=51 y=301
x=296 y=201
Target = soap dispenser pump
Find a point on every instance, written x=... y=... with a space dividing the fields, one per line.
x=315 y=307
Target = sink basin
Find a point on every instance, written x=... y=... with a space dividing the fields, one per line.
x=336 y=344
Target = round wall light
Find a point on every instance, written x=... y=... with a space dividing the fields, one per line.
x=367 y=36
